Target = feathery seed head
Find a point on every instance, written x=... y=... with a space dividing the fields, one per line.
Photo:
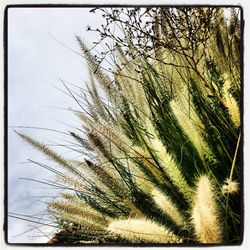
x=144 y=230
x=167 y=206
x=205 y=213
x=167 y=162
x=230 y=187
x=191 y=125
x=230 y=102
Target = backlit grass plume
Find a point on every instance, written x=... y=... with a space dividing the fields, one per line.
x=205 y=214
x=141 y=230
x=159 y=146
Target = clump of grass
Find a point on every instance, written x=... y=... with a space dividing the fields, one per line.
x=162 y=138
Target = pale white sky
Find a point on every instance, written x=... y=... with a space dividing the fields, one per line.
x=36 y=61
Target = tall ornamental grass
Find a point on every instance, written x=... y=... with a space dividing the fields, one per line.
x=160 y=137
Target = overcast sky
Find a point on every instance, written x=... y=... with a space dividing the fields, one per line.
x=36 y=61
